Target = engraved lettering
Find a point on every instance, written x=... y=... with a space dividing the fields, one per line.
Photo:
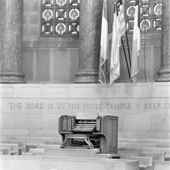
x=60 y=105
x=118 y=106
x=15 y=105
x=35 y=106
x=74 y=105
x=50 y=106
x=167 y=106
x=152 y=106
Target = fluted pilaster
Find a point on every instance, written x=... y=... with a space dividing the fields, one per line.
x=90 y=29
x=164 y=72
x=11 y=37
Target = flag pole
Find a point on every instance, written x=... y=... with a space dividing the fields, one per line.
x=127 y=41
x=125 y=57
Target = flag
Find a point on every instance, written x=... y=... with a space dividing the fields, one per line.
x=104 y=42
x=119 y=28
x=136 y=44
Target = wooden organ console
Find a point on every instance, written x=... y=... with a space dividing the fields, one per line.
x=89 y=131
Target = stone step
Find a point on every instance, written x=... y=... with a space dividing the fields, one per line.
x=5 y=151
x=147 y=140
x=14 y=147
x=29 y=146
x=162 y=165
x=66 y=152
x=21 y=143
x=48 y=146
x=35 y=140
x=159 y=156
x=129 y=145
x=157 y=142
x=28 y=162
x=35 y=151
x=144 y=162
x=144 y=149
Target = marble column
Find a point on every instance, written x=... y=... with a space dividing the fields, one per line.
x=11 y=37
x=164 y=71
x=89 y=36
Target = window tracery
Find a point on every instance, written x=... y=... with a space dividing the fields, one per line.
x=150 y=15
x=60 y=18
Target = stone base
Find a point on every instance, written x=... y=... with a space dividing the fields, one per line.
x=87 y=77
x=164 y=75
x=11 y=78
x=62 y=163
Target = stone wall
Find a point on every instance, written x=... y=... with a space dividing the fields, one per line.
x=46 y=60
x=32 y=110
x=56 y=60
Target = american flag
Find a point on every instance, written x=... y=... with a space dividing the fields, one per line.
x=104 y=42
x=120 y=11
x=119 y=28
x=136 y=44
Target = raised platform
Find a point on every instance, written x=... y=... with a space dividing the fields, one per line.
x=54 y=163
x=146 y=156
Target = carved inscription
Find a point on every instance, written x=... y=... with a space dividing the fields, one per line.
x=152 y=105
x=87 y=106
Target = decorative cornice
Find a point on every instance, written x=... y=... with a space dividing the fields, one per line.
x=52 y=43
x=146 y=39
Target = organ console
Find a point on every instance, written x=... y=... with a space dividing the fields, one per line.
x=89 y=131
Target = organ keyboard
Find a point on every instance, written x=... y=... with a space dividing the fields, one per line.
x=87 y=130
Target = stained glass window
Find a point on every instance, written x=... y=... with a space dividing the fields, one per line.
x=60 y=18
x=150 y=15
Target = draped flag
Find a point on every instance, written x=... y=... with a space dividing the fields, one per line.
x=119 y=28
x=104 y=42
x=136 y=44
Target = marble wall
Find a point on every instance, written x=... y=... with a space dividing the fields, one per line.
x=56 y=60
x=32 y=110
x=46 y=60
x=62 y=163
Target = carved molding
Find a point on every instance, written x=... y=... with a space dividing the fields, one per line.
x=87 y=76
x=52 y=43
x=146 y=40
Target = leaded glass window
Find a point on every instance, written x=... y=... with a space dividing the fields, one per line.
x=60 y=18
x=150 y=15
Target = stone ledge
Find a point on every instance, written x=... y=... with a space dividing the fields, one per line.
x=59 y=163
x=54 y=42
x=90 y=91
